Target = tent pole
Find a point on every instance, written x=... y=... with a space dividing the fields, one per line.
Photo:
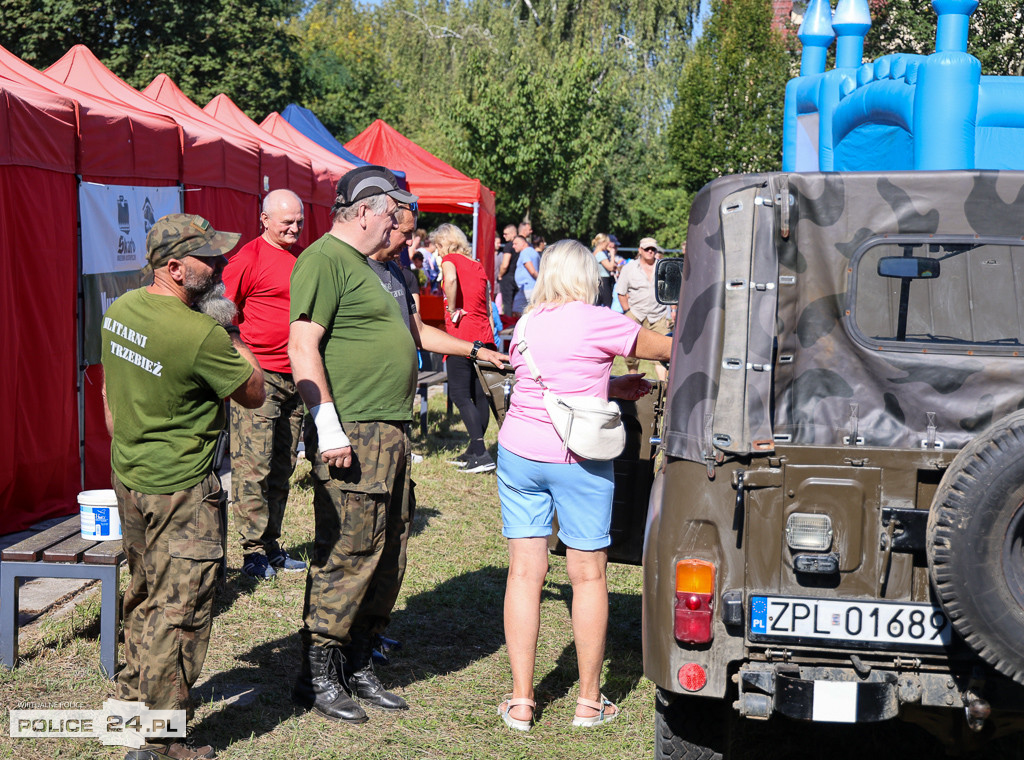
x=80 y=338
x=476 y=227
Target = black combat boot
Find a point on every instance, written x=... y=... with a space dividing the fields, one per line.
x=321 y=687
x=363 y=682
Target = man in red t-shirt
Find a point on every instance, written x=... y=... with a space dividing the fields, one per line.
x=263 y=440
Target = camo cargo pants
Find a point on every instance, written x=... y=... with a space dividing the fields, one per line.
x=262 y=461
x=173 y=545
x=363 y=517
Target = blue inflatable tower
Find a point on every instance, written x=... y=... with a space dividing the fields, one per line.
x=901 y=111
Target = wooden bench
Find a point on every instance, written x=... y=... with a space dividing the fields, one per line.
x=61 y=552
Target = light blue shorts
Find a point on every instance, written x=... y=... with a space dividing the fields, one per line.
x=533 y=492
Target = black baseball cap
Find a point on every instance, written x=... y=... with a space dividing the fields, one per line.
x=365 y=181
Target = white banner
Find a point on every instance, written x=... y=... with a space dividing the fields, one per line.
x=115 y=221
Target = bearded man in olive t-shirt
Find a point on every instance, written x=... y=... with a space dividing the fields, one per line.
x=168 y=362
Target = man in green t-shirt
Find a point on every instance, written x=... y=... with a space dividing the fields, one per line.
x=168 y=363
x=354 y=361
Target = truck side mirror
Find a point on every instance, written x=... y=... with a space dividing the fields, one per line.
x=668 y=279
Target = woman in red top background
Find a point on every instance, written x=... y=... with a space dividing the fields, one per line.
x=467 y=300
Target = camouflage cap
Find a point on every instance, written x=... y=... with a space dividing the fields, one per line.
x=178 y=235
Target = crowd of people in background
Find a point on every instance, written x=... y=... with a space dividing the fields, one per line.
x=626 y=283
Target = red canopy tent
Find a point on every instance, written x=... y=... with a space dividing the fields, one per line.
x=115 y=142
x=39 y=455
x=281 y=129
x=318 y=182
x=441 y=188
x=221 y=171
x=110 y=144
x=278 y=169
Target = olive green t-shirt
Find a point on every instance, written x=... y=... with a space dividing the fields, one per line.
x=167 y=369
x=368 y=352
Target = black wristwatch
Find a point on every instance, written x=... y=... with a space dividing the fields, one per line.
x=477 y=345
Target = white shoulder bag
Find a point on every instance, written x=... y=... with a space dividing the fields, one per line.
x=589 y=427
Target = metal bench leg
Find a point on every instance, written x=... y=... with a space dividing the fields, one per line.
x=423 y=409
x=110 y=581
x=9 y=583
x=447 y=396
x=222 y=508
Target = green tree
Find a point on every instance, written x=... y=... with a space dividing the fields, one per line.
x=349 y=64
x=206 y=46
x=533 y=135
x=558 y=107
x=908 y=26
x=728 y=115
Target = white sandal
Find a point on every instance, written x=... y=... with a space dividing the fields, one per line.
x=601 y=718
x=514 y=723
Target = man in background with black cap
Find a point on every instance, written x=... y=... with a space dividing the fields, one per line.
x=354 y=361
x=167 y=366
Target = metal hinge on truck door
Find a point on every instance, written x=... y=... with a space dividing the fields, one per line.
x=742 y=480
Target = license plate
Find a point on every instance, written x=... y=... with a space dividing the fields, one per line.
x=847 y=622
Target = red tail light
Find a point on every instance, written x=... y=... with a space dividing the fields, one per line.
x=695 y=601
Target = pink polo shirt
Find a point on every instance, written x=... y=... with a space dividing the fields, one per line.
x=573 y=347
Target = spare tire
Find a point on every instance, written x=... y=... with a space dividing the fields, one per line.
x=976 y=545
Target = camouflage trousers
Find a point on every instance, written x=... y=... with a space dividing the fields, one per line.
x=363 y=516
x=262 y=461
x=173 y=545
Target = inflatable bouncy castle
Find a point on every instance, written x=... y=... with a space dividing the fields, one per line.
x=901 y=111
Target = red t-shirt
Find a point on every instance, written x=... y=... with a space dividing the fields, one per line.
x=256 y=278
x=471 y=297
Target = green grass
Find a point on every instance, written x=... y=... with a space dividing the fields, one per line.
x=453 y=669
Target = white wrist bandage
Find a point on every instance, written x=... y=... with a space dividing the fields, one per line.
x=328 y=428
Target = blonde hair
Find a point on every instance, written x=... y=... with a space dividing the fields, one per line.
x=568 y=272
x=600 y=242
x=450 y=239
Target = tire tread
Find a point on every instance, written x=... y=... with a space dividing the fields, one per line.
x=690 y=728
x=955 y=501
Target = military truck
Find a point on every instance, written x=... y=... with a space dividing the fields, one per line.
x=835 y=525
x=836 y=532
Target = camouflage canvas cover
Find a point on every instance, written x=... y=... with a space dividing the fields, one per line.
x=823 y=349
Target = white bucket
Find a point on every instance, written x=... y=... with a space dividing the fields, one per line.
x=98 y=510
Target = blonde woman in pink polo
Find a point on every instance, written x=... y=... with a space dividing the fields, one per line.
x=573 y=343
